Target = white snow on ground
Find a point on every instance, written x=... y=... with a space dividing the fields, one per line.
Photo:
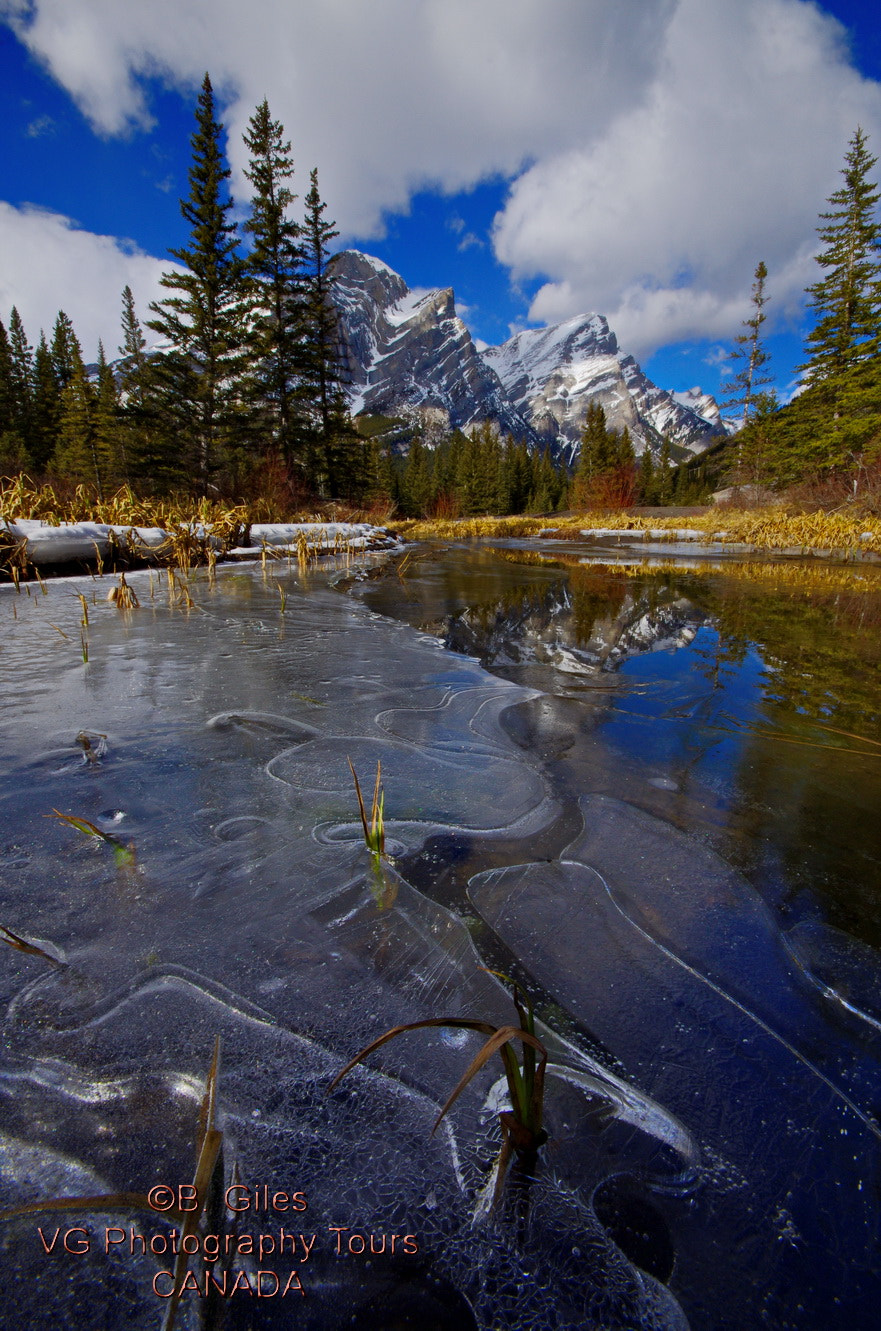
x=85 y=540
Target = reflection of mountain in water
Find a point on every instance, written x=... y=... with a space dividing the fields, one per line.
x=577 y=629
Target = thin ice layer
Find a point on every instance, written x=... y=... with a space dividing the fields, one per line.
x=670 y=959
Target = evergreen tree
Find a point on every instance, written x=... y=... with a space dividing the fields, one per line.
x=606 y=472
x=65 y=351
x=596 y=454
x=757 y=463
x=134 y=365
x=847 y=300
x=46 y=417
x=749 y=356
x=646 y=483
x=12 y=453
x=624 y=455
x=148 y=447
x=76 y=457
x=416 y=482
x=275 y=266
x=7 y=394
x=109 y=441
x=21 y=378
x=664 y=481
x=332 y=435
x=836 y=421
x=204 y=321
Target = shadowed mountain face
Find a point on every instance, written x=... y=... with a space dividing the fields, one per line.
x=409 y=354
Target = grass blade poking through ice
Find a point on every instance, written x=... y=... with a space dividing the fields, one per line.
x=21 y=945
x=122 y=595
x=374 y=831
x=123 y=855
x=522 y=1130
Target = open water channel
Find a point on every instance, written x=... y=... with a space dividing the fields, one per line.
x=650 y=792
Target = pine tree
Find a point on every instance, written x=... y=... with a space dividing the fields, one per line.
x=275 y=266
x=65 y=351
x=110 y=449
x=597 y=456
x=322 y=385
x=204 y=321
x=76 y=457
x=664 y=480
x=646 y=483
x=46 y=417
x=21 y=378
x=12 y=453
x=416 y=482
x=847 y=300
x=134 y=364
x=749 y=355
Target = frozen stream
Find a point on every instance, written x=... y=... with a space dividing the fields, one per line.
x=714 y=1133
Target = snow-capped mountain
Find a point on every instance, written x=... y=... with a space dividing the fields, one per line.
x=409 y=354
x=552 y=373
x=703 y=403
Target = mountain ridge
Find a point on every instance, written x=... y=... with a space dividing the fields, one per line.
x=407 y=353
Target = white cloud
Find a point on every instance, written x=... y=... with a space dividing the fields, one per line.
x=40 y=126
x=384 y=97
x=726 y=159
x=658 y=148
x=47 y=264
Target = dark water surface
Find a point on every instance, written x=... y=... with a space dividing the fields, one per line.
x=651 y=792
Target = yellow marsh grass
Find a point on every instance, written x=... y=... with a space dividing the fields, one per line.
x=122 y=596
x=767 y=529
x=787 y=576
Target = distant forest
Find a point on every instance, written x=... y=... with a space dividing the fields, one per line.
x=245 y=391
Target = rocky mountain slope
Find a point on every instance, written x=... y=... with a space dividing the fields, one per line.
x=408 y=354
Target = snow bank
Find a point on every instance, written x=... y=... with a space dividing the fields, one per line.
x=71 y=542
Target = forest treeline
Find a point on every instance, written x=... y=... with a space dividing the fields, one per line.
x=244 y=384
x=244 y=392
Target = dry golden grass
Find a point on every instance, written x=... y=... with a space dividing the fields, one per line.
x=199 y=531
x=786 y=575
x=772 y=528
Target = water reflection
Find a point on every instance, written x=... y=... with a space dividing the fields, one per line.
x=714 y=1116
x=747 y=697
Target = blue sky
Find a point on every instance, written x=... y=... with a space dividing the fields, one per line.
x=542 y=157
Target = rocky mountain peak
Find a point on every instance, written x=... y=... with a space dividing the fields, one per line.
x=409 y=354
x=379 y=284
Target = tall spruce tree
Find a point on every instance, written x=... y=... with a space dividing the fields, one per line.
x=333 y=439
x=13 y=457
x=837 y=419
x=21 y=376
x=749 y=356
x=596 y=456
x=7 y=393
x=646 y=480
x=76 y=456
x=110 y=444
x=847 y=300
x=134 y=364
x=275 y=269
x=202 y=374
x=65 y=350
x=46 y=417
